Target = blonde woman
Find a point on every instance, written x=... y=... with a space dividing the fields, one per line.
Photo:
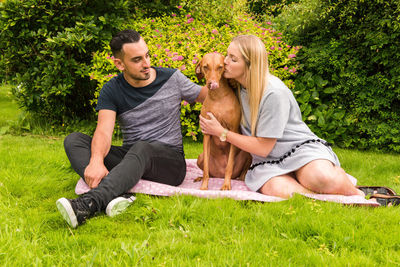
x=287 y=156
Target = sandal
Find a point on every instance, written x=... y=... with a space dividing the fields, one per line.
x=386 y=201
x=373 y=190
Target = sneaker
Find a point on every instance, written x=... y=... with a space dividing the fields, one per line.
x=119 y=204
x=75 y=211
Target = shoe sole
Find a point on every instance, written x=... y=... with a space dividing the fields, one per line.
x=65 y=208
x=118 y=205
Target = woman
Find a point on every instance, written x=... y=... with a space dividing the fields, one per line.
x=287 y=157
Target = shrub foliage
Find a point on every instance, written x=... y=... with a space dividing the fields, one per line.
x=180 y=41
x=349 y=85
x=47 y=45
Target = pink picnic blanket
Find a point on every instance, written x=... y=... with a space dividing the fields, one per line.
x=239 y=190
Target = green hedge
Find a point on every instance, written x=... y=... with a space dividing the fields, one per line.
x=47 y=48
x=349 y=83
x=180 y=41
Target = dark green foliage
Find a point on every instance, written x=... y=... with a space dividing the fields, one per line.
x=350 y=61
x=155 y=8
x=263 y=8
x=47 y=47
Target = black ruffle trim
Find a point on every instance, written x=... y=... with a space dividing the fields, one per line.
x=287 y=154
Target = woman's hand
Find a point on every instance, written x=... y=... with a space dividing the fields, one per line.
x=211 y=126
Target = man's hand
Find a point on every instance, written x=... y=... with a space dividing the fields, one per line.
x=94 y=173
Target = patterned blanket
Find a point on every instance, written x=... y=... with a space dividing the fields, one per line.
x=239 y=190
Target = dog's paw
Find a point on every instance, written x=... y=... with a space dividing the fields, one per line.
x=204 y=187
x=198 y=179
x=226 y=187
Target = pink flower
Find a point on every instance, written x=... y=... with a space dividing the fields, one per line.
x=285 y=68
x=292 y=70
x=173 y=14
x=188 y=15
x=185 y=103
x=157 y=30
x=279 y=48
x=194 y=61
x=269 y=23
x=161 y=61
x=155 y=55
x=291 y=55
x=183 y=67
x=179 y=6
x=189 y=20
x=272 y=47
x=152 y=20
x=166 y=50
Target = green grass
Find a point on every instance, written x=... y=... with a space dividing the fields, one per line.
x=184 y=230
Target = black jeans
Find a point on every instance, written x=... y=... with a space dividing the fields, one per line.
x=150 y=160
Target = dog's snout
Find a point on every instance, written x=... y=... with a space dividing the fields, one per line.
x=213 y=85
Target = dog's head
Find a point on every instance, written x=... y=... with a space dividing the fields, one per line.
x=211 y=67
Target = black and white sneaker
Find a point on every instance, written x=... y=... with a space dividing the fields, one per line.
x=119 y=204
x=76 y=211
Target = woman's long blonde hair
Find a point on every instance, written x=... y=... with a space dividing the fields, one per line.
x=256 y=72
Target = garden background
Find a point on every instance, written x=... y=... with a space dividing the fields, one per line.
x=340 y=59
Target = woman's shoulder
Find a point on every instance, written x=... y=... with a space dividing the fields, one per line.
x=275 y=86
x=275 y=83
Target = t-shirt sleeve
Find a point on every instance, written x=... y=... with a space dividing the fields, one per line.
x=189 y=90
x=273 y=116
x=105 y=100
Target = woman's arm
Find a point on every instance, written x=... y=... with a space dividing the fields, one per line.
x=260 y=146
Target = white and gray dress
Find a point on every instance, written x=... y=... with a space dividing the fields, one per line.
x=280 y=117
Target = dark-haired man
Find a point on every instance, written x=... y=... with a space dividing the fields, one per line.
x=146 y=100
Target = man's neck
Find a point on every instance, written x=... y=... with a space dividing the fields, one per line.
x=141 y=83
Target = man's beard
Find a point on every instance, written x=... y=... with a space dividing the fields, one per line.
x=144 y=77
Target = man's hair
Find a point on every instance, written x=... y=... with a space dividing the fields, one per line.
x=121 y=38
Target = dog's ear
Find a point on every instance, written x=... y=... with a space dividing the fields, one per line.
x=199 y=73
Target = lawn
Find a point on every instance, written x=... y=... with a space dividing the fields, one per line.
x=184 y=230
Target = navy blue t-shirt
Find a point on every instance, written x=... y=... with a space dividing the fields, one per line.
x=152 y=112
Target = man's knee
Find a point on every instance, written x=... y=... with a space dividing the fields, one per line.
x=73 y=139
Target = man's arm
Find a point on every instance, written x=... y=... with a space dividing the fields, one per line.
x=101 y=143
x=203 y=93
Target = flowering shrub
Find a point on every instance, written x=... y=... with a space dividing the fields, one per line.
x=180 y=41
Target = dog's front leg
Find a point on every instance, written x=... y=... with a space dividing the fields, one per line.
x=206 y=154
x=229 y=168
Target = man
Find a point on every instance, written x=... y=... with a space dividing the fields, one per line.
x=146 y=101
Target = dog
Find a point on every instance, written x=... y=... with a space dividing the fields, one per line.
x=220 y=158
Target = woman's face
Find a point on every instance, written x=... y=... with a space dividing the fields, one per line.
x=234 y=64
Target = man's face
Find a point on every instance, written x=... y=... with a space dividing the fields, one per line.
x=135 y=61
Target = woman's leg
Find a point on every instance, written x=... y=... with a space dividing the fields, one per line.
x=283 y=186
x=322 y=176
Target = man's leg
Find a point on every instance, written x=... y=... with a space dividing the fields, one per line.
x=78 y=149
x=152 y=161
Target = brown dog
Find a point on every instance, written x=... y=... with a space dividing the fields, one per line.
x=219 y=158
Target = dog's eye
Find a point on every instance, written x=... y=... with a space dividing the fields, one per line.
x=205 y=68
x=220 y=67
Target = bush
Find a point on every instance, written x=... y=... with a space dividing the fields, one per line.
x=349 y=69
x=180 y=41
x=268 y=8
x=48 y=45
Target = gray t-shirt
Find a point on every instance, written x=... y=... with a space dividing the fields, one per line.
x=150 y=113
x=279 y=117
